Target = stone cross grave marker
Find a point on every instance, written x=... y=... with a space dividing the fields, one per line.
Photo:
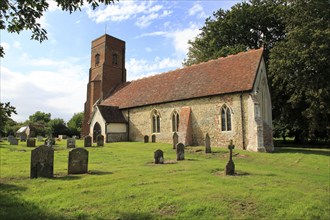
x=13 y=141
x=153 y=138
x=146 y=139
x=42 y=162
x=70 y=143
x=175 y=139
x=88 y=141
x=49 y=142
x=230 y=167
x=31 y=142
x=100 y=140
x=180 y=151
x=159 y=156
x=78 y=161
x=207 y=143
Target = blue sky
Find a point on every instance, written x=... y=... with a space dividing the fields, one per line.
x=52 y=76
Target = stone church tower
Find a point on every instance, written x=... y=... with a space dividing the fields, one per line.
x=107 y=71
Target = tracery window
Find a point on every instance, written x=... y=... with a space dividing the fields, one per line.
x=175 y=121
x=155 y=121
x=225 y=118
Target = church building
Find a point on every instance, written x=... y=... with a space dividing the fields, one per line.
x=227 y=98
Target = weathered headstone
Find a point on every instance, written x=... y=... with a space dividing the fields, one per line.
x=23 y=137
x=42 y=162
x=100 y=140
x=13 y=141
x=70 y=143
x=88 y=141
x=40 y=138
x=230 y=167
x=146 y=139
x=159 y=156
x=153 y=138
x=180 y=151
x=78 y=161
x=10 y=137
x=49 y=142
x=31 y=142
x=207 y=143
x=175 y=139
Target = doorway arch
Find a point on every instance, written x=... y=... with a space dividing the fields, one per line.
x=96 y=130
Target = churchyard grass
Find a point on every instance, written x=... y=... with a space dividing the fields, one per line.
x=124 y=183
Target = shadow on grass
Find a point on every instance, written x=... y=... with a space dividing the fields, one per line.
x=324 y=152
x=14 y=207
x=99 y=173
x=66 y=177
x=135 y=216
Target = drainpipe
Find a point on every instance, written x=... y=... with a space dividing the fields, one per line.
x=243 y=119
x=128 y=125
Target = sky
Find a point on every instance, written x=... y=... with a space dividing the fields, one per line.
x=52 y=76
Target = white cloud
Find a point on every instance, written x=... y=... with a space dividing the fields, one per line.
x=143 y=11
x=198 y=10
x=52 y=5
x=57 y=91
x=148 y=49
x=17 y=45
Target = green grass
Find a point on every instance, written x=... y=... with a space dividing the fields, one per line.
x=123 y=183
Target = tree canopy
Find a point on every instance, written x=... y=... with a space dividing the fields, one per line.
x=6 y=110
x=75 y=123
x=19 y=15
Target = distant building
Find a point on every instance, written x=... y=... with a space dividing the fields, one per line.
x=228 y=98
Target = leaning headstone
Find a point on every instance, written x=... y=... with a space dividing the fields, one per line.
x=78 y=161
x=23 y=137
x=153 y=138
x=40 y=138
x=175 y=139
x=159 y=156
x=100 y=140
x=88 y=141
x=42 y=162
x=207 y=143
x=230 y=167
x=146 y=139
x=13 y=141
x=31 y=142
x=70 y=143
x=180 y=151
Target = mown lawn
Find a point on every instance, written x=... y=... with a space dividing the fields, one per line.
x=123 y=183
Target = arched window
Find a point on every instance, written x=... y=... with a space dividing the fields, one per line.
x=225 y=118
x=97 y=59
x=155 y=121
x=114 y=59
x=175 y=121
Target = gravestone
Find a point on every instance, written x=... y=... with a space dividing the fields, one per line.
x=78 y=161
x=180 y=151
x=207 y=143
x=23 y=137
x=49 y=142
x=230 y=167
x=70 y=143
x=146 y=139
x=31 y=142
x=159 y=156
x=153 y=138
x=42 y=162
x=40 y=138
x=10 y=137
x=175 y=139
x=88 y=141
x=13 y=141
x=100 y=140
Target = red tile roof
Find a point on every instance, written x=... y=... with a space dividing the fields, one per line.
x=230 y=74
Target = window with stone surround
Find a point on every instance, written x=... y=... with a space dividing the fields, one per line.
x=225 y=118
x=97 y=59
x=155 y=121
x=175 y=121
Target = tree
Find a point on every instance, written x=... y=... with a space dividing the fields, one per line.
x=19 y=15
x=300 y=71
x=248 y=25
x=40 y=117
x=6 y=110
x=75 y=123
x=57 y=126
